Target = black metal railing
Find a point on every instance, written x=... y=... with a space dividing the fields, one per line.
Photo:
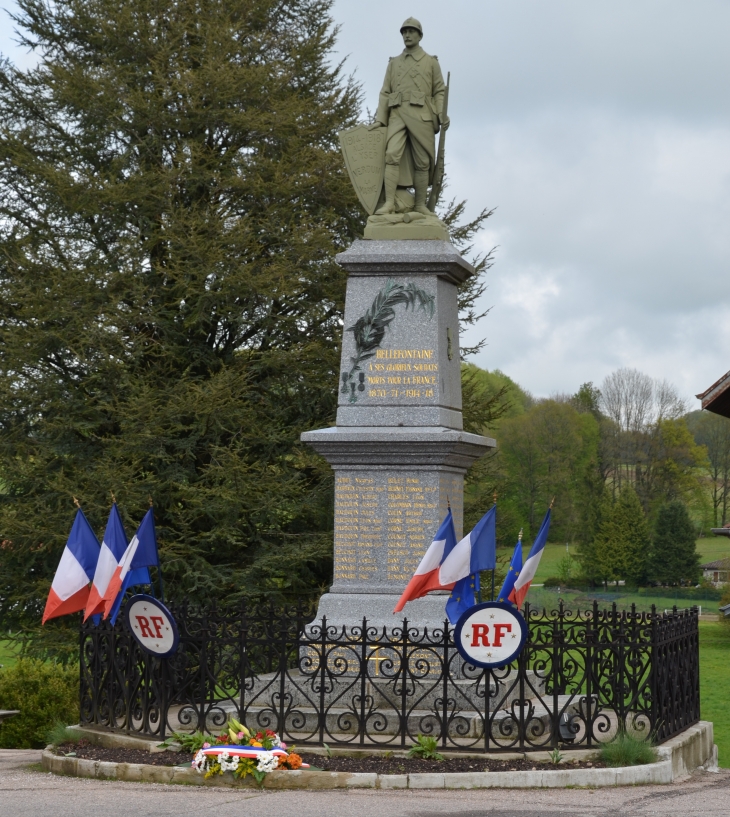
x=581 y=677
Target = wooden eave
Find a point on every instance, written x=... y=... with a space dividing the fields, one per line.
x=717 y=398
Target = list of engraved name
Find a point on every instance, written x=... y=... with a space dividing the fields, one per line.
x=383 y=526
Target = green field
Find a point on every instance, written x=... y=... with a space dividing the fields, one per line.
x=715 y=683
x=714 y=547
x=709 y=548
x=582 y=599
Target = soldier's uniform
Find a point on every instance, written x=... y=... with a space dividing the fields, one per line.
x=410 y=106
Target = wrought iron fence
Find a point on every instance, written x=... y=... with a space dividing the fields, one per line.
x=581 y=677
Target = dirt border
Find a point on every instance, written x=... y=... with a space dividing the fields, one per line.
x=691 y=749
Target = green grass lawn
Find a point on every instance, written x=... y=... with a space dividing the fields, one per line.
x=548 y=597
x=709 y=548
x=713 y=547
x=551 y=556
x=715 y=683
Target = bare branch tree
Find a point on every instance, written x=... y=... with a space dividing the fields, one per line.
x=626 y=397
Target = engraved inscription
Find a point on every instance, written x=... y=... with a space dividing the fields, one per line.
x=403 y=373
x=385 y=521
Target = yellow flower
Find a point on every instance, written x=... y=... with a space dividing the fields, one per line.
x=256 y=743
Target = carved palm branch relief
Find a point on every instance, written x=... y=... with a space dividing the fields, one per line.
x=370 y=329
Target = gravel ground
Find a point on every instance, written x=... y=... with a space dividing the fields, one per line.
x=31 y=793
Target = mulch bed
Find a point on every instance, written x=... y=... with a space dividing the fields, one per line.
x=88 y=751
x=380 y=765
x=412 y=765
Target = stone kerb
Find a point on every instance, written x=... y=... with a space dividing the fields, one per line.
x=690 y=750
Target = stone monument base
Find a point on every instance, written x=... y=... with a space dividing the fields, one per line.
x=349 y=609
x=406 y=226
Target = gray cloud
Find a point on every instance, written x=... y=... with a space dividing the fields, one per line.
x=601 y=131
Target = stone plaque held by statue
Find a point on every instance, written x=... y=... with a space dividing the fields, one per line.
x=393 y=163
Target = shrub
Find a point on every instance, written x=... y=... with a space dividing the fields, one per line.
x=59 y=734
x=45 y=694
x=627 y=749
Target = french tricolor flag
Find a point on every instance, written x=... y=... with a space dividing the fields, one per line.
x=70 y=588
x=426 y=577
x=477 y=551
x=141 y=553
x=527 y=574
x=112 y=550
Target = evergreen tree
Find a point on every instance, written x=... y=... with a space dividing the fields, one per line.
x=622 y=541
x=172 y=198
x=674 y=559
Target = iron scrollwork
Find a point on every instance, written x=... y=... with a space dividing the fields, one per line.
x=581 y=677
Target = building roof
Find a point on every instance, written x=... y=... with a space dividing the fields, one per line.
x=717 y=397
x=718 y=564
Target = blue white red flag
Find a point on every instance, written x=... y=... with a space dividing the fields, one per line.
x=112 y=550
x=515 y=567
x=426 y=577
x=463 y=596
x=527 y=574
x=70 y=589
x=141 y=554
x=475 y=552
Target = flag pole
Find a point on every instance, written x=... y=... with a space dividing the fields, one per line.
x=159 y=564
x=494 y=568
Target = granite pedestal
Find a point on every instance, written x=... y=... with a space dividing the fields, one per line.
x=398 y=450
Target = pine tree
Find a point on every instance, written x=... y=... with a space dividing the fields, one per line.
x=172 y=198
x=622 y=541
x=674 y=559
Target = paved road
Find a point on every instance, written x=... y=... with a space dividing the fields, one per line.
x=31 y=793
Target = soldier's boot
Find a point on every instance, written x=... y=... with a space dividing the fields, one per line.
x=420 y=182
x=391 y=182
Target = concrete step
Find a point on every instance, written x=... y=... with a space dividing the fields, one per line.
x=300 y=689
x=303 y=721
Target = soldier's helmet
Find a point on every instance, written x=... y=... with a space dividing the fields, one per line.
x=411 y=22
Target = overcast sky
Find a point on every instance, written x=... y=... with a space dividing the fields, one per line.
x=601 y=132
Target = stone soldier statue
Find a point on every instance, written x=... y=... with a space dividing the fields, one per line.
x=410 y=106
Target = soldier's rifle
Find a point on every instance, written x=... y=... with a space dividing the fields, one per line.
x=438 y=177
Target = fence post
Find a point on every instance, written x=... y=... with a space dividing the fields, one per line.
x=556 y=678
x=242 y=660
x=203 y=655
x=445 y=691
x=404 y=684
x=591 y=634
x=364 y=677
x=322 y=678
x=164 y=698
x=521 y=670
x=282 y=668
x=653 y=686
x=621 y=619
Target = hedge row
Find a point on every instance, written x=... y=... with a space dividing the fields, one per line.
x=45 y=694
